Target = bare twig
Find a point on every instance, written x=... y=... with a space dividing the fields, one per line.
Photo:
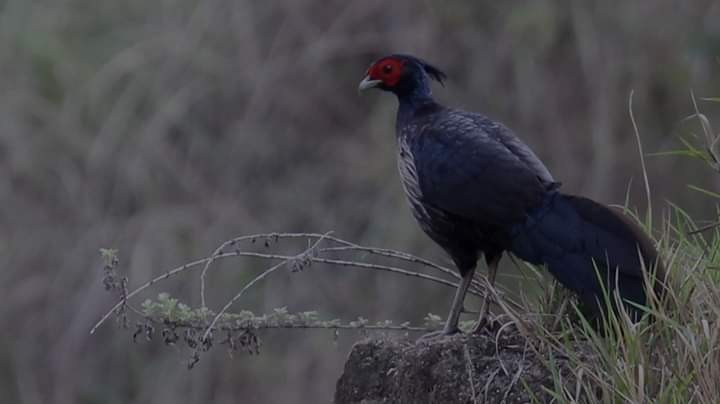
x=395 y=254
x=224 y=251
x=345 y=246
x=254 y=281
x=319 y=325
x=151 y=282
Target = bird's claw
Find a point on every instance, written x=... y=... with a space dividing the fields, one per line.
x=484 y=323
x=436 y=335
x=479 y=326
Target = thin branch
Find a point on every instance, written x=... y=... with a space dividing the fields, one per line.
x=206 y=267
x=342 y=245
x=477 y=285
x=355 y=264
x=346 y=246
x=385 y=268
x=319 y=325
x=151 y=282
x=255 y=280
x=395 y=254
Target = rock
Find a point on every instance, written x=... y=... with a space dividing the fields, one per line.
x=503 y=369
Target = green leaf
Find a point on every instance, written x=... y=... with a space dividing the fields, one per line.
x=704 y=191
x=687 y=153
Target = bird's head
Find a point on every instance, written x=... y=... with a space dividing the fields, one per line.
x=401 y=74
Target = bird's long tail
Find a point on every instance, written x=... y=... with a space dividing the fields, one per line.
x=590 y=248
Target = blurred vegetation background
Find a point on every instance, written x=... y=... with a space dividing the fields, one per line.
x=162 y=128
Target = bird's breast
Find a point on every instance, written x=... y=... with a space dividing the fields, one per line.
x=409 y=178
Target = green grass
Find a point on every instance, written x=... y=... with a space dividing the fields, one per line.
x=673 y=354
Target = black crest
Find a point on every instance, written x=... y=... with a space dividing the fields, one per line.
x=432 y=71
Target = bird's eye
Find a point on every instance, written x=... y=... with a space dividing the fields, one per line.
x=387 y=69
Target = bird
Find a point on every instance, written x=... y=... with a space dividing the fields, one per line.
x=477 y=190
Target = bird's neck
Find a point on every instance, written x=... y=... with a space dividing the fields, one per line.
x=414 y=103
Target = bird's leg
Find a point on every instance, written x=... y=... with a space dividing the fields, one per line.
x=485 y=309
x=451 y=324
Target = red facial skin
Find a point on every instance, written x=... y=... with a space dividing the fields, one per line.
x=388 y=70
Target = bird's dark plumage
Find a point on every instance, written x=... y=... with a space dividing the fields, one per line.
x=580 y=242
x=467 y=185
x=476 y=189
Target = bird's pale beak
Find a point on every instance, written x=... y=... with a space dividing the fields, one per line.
x=368 y=83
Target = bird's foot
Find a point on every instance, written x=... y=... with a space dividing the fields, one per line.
x=437 y=335
x=484 y=323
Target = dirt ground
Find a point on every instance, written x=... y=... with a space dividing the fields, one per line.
x=502 y=368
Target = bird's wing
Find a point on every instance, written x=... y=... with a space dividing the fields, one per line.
x=504 y=135
x=466 y=170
